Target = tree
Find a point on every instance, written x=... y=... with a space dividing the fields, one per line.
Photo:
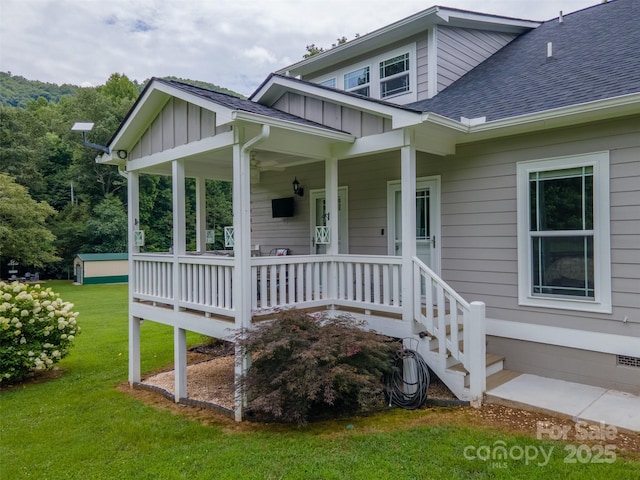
x=107 y=228
x=24 y=236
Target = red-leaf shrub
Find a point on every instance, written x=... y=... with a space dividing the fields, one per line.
x=306 y=367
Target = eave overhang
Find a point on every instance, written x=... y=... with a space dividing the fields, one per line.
x=405 y=28
x=615 y=107
x=276 y=86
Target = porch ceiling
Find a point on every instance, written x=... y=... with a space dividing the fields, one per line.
x=217 y=164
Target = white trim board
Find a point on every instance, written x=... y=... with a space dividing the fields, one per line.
x=565 y=337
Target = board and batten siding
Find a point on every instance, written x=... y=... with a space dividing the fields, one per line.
x=178 y=123
x=332 y=115
x=462 y=49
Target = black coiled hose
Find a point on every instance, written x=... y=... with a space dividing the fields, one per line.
x=407 y=387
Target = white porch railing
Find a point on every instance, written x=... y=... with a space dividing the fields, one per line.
x=458 y=327
x=205 y=281
x=371 y=283
x=153 y=277
x=304 y=281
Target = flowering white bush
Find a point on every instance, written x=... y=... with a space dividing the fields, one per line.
x=36 y=329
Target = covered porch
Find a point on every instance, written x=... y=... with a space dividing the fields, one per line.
x=220 y=293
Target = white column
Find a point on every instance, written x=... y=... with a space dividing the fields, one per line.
x=133 y=207
x=408 y=185
x=477 y=353
x=180 y=362
x=331 y=199
x=179 y=248
x=242 y=258
x=201 y=214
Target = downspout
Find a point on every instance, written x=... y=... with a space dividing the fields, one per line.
x=242 y=290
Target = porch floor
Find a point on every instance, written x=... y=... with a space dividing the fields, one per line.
x=578 y=401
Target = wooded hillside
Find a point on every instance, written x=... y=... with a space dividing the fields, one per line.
x=41 y=157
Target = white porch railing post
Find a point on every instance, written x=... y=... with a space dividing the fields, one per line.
x=133 y=202
x=180 y=362
x=408 y=186
x=477 y=352
x=241 y=280
x=201 y=214
x=134 y=349
x=179 y=249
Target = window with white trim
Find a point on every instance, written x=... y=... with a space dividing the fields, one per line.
x=394 y=76
x=331 y=82
x=358 y=81
x=563 y=232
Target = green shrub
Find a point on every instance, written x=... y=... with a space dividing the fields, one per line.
x=36 y=330
x=305 y=367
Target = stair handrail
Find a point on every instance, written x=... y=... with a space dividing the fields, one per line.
x=473 y=358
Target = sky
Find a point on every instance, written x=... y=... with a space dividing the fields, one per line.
x=231 y=43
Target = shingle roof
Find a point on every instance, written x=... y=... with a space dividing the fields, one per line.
x=237 y=103
x=596 y=55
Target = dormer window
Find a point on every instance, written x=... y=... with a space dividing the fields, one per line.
x=358 y=81
x=394 y=76
x=331 y=82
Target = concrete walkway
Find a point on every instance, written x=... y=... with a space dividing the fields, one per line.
x=581 y=402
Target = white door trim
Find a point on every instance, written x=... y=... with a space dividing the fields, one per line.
x=433 y=184
x=343 y=221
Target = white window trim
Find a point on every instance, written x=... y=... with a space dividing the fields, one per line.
x=601 y=224
x=388 y=78
x=374 y=74
x=327 y=80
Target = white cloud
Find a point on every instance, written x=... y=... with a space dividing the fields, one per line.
x=232 y=43
x=259 y=54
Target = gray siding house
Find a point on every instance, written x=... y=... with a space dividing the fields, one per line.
x=470 y=181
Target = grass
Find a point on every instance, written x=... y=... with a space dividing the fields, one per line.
x=79 y=425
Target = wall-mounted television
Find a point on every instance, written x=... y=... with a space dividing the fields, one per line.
x=282 y=207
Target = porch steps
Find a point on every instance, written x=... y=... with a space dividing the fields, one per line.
x=495 y=364
x=503 y=376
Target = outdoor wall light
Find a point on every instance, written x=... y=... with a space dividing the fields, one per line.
x=297 y=189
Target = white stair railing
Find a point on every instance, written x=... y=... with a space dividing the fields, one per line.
x=446 y=316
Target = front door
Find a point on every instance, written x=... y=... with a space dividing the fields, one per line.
x=319 y=218
x=427 y=220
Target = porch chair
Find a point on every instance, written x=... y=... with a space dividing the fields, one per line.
x=279 y=252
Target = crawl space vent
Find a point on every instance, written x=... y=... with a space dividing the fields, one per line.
x=628 y=361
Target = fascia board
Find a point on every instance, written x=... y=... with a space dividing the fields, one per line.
x=223 y=114
x=564 y=116
x=216 y=142
x=405 y=28
x=273 y=89
x=240 y=116
x=150 y=105
x=146 y=107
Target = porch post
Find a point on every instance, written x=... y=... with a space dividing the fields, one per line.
x=133 y=206
x=179 y=249
x=201 y=214
x=331 y=199
x=477 y=353
x=408 y=186
x=242 y=287
x=180 y=361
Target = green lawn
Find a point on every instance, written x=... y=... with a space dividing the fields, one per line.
x=80 y=426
